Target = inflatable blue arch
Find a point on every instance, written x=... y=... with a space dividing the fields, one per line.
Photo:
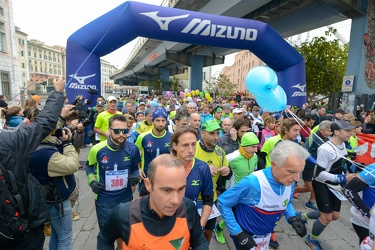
x=132 y=19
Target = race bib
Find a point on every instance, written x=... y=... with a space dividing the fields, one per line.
x=214 y=211
x=116 y=180
x=262 y=242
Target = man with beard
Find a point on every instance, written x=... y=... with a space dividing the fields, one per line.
x=101 y=123
x=214 y=156
x=112 y=169
x=154 y=142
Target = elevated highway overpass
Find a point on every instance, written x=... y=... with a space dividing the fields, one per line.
x=153 y=59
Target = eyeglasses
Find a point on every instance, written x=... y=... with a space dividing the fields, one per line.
x=130 y=118
x=117 y=131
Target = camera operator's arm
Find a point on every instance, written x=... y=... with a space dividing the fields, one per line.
x=66 y=163
x=65 y=112
x=78 y=136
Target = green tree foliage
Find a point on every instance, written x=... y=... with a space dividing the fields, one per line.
x=325 y=65
x=144 y=83
x=221 y=85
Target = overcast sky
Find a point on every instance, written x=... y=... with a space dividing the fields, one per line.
x=53 y=21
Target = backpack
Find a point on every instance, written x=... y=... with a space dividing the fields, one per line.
x=22 y=206
x=13 y=222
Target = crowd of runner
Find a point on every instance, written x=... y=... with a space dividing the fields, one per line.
x=238 y=160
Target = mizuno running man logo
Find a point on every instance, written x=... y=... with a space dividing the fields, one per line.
x=162 y=21
x=204 y=27
x=81 y=79
x=195 y=182
x=299 y=86
x=81 y=82
x=301 y=89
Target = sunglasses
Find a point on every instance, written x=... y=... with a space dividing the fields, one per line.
x=117 y=131
x=130 y=118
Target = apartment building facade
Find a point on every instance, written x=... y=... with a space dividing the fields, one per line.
x=244 y=61
x=9 y=69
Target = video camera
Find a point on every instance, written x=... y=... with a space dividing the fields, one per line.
x=85 y=122
x=58 y=132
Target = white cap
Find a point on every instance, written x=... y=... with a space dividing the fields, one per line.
x=237 y=111
x=111 y=98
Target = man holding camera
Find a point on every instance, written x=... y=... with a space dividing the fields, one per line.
x=15 y=149
x=53 y=164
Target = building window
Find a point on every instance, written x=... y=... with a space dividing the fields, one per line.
x=2 y=37
x=5 y=84
x=1 y=11
x=22 y=54
x=23 y=65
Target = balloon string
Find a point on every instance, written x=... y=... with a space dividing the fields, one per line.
x=299 y=121
x=357 y=164
x=19 y=93
x=100 y=40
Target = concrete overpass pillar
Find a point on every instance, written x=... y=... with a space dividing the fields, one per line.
x=196 y=72
x=359 y=57
x=164 y=74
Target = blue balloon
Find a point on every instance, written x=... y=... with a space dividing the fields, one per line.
x=273 y=101
x=261 y=80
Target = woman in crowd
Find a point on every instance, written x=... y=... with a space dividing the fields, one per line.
x=14 y=116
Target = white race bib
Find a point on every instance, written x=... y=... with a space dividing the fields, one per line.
x=116 y=180
x=262 y=242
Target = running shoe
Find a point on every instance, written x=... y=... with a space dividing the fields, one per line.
x=313 y=244
x=47 y=229
x=219 y=235
x=301 y=218
x=311 y=205
x=75 y=216
x=273 y=241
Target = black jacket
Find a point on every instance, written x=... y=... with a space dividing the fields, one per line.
x=16 y=148
x=368 y=128
x=226 y=143
x=3 y=104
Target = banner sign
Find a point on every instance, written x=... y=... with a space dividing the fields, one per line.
x=132 y=19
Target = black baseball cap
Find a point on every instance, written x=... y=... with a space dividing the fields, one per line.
x=337 y=125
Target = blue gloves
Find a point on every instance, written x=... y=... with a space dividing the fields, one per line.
x=340 y=179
